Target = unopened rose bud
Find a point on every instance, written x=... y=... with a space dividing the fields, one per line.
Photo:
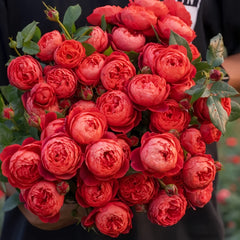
x=218 y=166
x=8 y=113
x=175 y=132
x=216 y=75
x=146 y=70
x=51 y=13
x=171 y=189
x=86 y=92
x=100 y=89
x=63 y=188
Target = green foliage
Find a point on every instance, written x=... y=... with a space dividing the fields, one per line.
x=11 y=202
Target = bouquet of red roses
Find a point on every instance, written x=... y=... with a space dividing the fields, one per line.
x=114 y=116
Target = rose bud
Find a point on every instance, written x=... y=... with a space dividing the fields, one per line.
x=24 y=72
x=69 y=54
x=63 y=187
x=51 y=13
x=119 y=111
x=159 y=155
x=215 y=75
x=210 y=133
x=86 y=126
x=137 y=189
x=43 y=200
x=100 y=89
x=148 y=91
x=8 y=113
x=20 y=163
x=199 y=171
x=174 y=117
x=86 y=92
x=167 y=210
x=199 y=197
x=192 y=141
x=61 y=157
x=218 y=166
x=48 y=43
x=171 y=189
x=98 y=39
x=63 y=80
x=96 y=195
x=113 y=219
x=223 y=195
x=123 y=39
x=88 y=71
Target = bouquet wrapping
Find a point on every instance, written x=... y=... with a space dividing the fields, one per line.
x=114 y=116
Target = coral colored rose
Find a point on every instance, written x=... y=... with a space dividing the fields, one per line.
x=174 y=117
x=106 y=160
x=201 y=110
x=69 y=54
x=86 y=126
x=137 y=189
x=20 y=163
x=148 y=54
x=41 y=99
x=158 y=8
x=98 y=39
x=192 y=141
x=96 y=195
x=195 y=53
x=44 y=201
x=173 y=64
x=178 y=89
x=125 y=40
x=148 y=90
x=61 y=157
x=119 y=111
x=117 y=72
x=175 y=24
x=63 y=80
x=167 y=210
x=222 y=195
x=210 y=133
x=159 y=155
x=179 y=10
x=199 y=171
x=83 y=105
x=113 y=219
x=110 y=13
x=24 y=72
x=88 y=71
x=199 y=197
x=137 y=18
x=48 y=43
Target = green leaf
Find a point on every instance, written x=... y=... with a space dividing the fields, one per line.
x=37 y=35
x=10 y=93
x=29 y=31
x=108 y=51
x=222 y=89
x=235 y=111
x=215 y=52
x=202 y=66
x=19 y=39
x=83 y=38
x=133 y=56
x=176 y=39
x=6 y=135
x=82 y=31
x=70 y=17
x=218 y=115
x=30 y=48
x=89 y=48
x=11 y=202
x=2 y=104
x=103 y=23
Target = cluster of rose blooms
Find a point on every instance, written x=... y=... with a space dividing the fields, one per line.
x=103 y=99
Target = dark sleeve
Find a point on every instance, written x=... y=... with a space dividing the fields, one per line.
x=4 y=48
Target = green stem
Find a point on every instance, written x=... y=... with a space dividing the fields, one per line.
x=64 y=29
x=162 y=184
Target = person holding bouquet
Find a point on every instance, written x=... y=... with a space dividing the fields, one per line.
x=204 y=223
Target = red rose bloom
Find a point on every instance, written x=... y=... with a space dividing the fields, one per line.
x=88 y=71
x=69 y=54
x=48 y=43
x=119 y=111
x=61 y=157
x=137 y=189
x=20 y=163
x=43 y=200
x=199 y=171
x=24 y=72
x=159 y=155
x=174 y=117
x=192 y=141
x=210 y=133
x=167 y=210
x=113 y=219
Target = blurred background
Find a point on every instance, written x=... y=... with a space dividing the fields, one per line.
x=229 y=182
